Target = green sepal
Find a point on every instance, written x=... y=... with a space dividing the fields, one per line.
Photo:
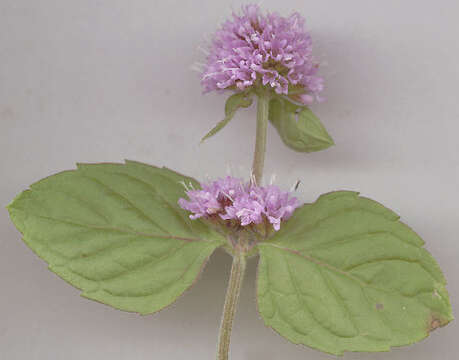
x=116 y=232
x=233 y=103
x=344 y=274
x=298 y=127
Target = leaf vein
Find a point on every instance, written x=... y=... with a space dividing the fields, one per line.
x=109 y=228
x=332 y=268
x=173 y=208
x=131 y=204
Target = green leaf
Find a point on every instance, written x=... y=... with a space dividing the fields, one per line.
x=344 y=274
x=116 y=232
x=234 y=102
x=298 y=127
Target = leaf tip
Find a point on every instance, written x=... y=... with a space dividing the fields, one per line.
x=435 y=321
x=10 y=208
x=12 y=203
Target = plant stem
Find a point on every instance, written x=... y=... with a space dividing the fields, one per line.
x=239 y=257
x=260 y=141
x=231 y=300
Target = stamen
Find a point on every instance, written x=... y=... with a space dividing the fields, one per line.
x=295 y=186
x=184 y=185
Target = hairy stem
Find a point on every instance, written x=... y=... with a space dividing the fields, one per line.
x=260 y=141
x=239 y=257
x=231 y=300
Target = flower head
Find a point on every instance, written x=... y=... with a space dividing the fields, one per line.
x=255 y=48
x=232 y=199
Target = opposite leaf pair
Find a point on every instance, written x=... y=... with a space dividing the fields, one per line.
x=342 y=274
x=296 y=124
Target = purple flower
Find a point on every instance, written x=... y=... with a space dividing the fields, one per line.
x=213 y=197
x=255 y=48
x=231 y=199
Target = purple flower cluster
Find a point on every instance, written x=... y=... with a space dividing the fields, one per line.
x=232 y=199
x=275 y=50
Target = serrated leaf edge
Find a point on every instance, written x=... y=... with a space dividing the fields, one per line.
x=213 y=244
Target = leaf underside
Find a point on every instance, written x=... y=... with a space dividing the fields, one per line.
x=115 y=231
x=344 y=274
x=298 y=127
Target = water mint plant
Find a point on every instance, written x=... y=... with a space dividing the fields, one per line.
x=340 y=274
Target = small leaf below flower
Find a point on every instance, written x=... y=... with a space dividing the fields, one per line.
x=234 y=102
x=344 y=274
x=298 y=127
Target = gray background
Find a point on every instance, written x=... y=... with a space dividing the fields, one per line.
x=89 y=81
